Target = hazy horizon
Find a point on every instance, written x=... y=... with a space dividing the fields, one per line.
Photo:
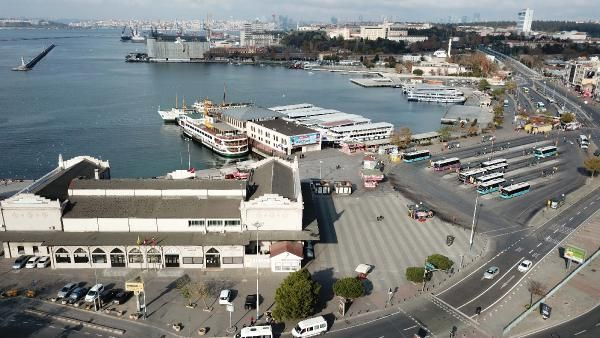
x=301 y=10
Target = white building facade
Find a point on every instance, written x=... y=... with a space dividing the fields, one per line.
x=525 y=18
x=156 y=223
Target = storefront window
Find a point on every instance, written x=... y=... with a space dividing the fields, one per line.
x=99 y=256
x=80 y=256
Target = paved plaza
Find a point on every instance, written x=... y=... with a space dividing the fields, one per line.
x=351 y=235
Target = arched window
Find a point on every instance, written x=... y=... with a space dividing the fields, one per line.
x=99 y=256
x=153 y=256
x=135 y=256
x=117 y=258
x=212 y=250
x=116 y=251
x=80 y=256
x=62 y=256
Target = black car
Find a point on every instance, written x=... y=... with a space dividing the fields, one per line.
x=122 y=296
x=20 y=262
x=108 y=295
x=250 y=302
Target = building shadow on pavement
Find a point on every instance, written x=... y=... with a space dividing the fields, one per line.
x=326 y=279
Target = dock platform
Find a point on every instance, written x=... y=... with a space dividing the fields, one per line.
x=375 y=82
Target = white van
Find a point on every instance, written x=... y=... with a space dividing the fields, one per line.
x=256 y=332
x=310 y=327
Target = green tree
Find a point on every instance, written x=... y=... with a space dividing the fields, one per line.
x=592 y=165
x=418 y=72
x=445 y=133
x=415 y=274
x=402 y=137
x=296 y=297
x=483 y=85
x=182 y=285
x=440 y=262
x=349 y=287
x=511 y=86
x=567 y=118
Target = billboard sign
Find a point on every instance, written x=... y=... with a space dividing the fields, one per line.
x=574 y=253
x=300 y=140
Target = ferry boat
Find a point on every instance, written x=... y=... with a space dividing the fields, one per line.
x=216 y=135
x=438 y=94
x=170 y=116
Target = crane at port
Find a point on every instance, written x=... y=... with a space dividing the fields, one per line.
x=29 y=65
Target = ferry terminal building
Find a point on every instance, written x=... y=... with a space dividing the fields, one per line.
x=81 y=218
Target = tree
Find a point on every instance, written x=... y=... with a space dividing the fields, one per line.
x=418 y=72
x=402 y=137
x=567 y=118
x=415 y=274
x=440 y=262
x=511 y=86
x=592 y=165
x=182 y=284
x=535 y=288
x=445 y=133
x=483 y=85
x=349 y=287
x=296 y=297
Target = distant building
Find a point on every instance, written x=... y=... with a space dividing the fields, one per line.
x=574 y=36
x=254 y=35
x=389 y=31
x=524 y=21
x=583 y=74
x=176 y=48
x=282 y=137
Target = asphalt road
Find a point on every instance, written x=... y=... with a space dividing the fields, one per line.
x=586 y=326
x=14 y=322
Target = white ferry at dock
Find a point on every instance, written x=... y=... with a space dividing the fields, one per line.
x=215 y=135
x=437 y=94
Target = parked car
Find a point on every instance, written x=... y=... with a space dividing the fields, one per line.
x=225 y=297
x=250 y=302
x=108 y=295
x=76 y=295
x=122 y=296
x=94 y=293
x=525 y=265
x=66 y=290
x=20 y=262
x=310 y=250
x=32 y=262
x=491 y=272
x=44 y=262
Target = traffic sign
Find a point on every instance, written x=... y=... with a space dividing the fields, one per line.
x=230 y=307
x=135 y=285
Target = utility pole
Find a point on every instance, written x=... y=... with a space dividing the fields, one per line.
x=257 y=226
x=473 y=223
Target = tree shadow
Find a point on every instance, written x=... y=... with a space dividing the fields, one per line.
x=326 y=279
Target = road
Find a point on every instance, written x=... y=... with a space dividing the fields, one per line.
x=586 y=326
x=14 y=322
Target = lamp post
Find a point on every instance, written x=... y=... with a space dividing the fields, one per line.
x=257 y=226
x=473 y=222
x=320 y=171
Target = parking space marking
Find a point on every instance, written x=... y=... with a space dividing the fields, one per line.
x=408 y=328
x=555 y=231
x=530 y=251
x=580 y=332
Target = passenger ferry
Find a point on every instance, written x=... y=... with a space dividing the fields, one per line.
x=170 y=116
x=438 y=94
x=218 y=136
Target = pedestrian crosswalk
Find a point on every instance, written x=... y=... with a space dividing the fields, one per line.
x=351 y=235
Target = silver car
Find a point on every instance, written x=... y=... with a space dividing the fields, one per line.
x=491 y=272
x=66 y=290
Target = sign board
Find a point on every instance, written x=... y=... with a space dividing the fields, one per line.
x=299 y=140
x=342 y=307
x=574 y=253
x=134 y=286
x=230 y=307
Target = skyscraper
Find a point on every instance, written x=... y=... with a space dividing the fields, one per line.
x=524 y=22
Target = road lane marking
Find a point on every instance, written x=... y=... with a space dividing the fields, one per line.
x=52 y=326
x=412 y=327
x=508 y=281
x=578 y=213
x=555 y=231
x=491 y=286
x=598 y=324
x=539 y=244
x=530 y=251
x=584 y=207
x=570 y=219
x=580 y=332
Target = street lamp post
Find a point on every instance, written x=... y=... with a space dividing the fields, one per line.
x=257 y=226
x=473 y=222
x=320 y=170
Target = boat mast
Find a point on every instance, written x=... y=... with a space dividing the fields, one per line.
x=176 y=99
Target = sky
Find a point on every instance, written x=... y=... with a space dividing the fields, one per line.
x=303 y=10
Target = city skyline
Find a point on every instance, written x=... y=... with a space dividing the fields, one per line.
x=301 y=10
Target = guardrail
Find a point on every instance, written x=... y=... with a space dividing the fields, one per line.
x=536 y=305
